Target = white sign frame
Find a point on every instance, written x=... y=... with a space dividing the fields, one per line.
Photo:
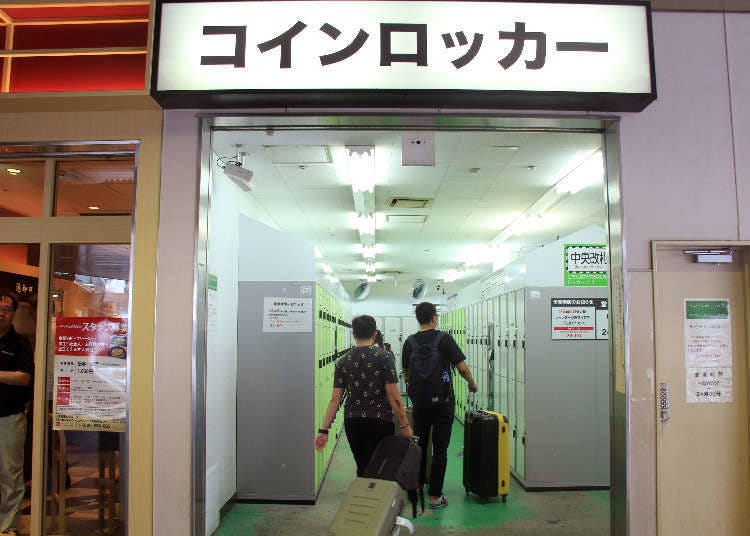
x=583 y=55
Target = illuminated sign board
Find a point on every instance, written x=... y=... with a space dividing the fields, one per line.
x=584 y=56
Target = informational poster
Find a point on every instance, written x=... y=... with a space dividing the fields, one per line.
x=287 y=315
x=211 y=302
x=586 y=265
x=580 y=318
x=90 y=382
x=708 y=351
x=709 y=385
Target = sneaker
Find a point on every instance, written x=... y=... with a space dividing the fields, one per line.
x=438 y=502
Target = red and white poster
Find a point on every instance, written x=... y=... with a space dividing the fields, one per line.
x=579 y=318
x=90 y=374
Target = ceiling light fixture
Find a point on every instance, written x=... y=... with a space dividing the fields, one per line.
x=370 y=267
x=361 y=159
x=13 y=171
x=93 y=207
x=369 y=252
x=371 y=278
x=591 y=171
x=366 y=224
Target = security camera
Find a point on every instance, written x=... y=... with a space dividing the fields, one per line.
x=239 y=174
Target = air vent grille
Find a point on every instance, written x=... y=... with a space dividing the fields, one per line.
x=408 y=202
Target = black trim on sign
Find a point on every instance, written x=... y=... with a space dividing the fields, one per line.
x=429 y=98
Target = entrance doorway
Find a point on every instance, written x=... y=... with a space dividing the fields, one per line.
x=485 y=218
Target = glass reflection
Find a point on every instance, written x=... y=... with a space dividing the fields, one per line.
x=87 y=388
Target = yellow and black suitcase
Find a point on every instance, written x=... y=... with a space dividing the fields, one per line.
x=370 y=508
x=486 y=454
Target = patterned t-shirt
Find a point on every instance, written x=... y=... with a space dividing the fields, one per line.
x=363 y=373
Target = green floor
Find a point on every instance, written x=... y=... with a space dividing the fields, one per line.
x=580 y=513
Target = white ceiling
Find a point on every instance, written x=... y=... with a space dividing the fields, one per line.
x=313 y=200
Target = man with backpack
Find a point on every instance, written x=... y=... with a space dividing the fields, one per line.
x=428 y=358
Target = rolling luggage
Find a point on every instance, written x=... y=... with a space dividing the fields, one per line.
x=397 y=459
x=370 y=508
x=428 y=450
x=486 y=454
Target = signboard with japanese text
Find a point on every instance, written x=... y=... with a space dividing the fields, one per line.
x=553 y=55
x=24 y=286
x=586 y=265
x=580 y=318
x=212 y=302
x=708 y=351
x=90 y=380
x=287 y=315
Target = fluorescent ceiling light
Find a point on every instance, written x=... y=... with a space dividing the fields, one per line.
x=369 y=252
x=591 y=171
x=318 y=254
x=366 y=224
x=326 y=268
x=370 y=267
x=13 y=171
x=361 y=159
x=93 y=207
x=371 y=278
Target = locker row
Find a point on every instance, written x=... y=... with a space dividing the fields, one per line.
x=507 y=343
x=333 y=337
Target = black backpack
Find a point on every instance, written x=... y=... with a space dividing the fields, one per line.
x=426 y=386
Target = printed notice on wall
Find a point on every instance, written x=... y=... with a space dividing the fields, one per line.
x=709 y=384
x=90 y=383
x=211 y=305
x=287 y=315
x=708 y=351
x=580 y=318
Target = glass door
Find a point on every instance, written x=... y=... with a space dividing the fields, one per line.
x=65 y=257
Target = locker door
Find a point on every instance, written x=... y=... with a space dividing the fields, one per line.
x=521 y=329
x=521 y=427
x=512 y=422
x=392 y=334
x=504 y=343
x=494 y=404
x=512 y=336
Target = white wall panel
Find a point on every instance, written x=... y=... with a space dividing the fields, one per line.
x=173 y=438
x=677 y=172
x=738 y=47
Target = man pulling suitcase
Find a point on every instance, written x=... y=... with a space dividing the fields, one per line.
x=427 y=358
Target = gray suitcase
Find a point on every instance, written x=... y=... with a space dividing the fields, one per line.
x=369 y=508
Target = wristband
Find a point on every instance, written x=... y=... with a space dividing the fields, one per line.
x=321 y=431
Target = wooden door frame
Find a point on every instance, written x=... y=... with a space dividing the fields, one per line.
x=658 y=246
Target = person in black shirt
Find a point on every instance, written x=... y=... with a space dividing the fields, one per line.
x=369 y=377
x=16 y=374
x=437 y=418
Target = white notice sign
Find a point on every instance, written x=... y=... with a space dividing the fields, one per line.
x=288 y=315
x=709 y=384
x=708 y=334
x=708 y=351
x=573 y=319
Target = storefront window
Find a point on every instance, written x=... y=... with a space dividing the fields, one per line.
x=94 y=187
x=87 y=387
x=19 y=277
x=21 y=188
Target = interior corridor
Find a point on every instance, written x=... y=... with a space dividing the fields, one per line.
x=565 y=513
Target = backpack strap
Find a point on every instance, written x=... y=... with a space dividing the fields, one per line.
x=437 y=339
